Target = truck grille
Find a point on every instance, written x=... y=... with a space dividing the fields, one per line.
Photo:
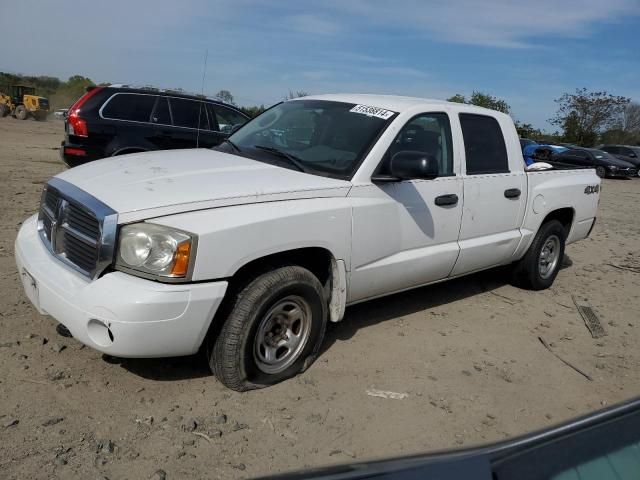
x=77 y=228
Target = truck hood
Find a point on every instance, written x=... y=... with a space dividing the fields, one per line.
x=151 y=184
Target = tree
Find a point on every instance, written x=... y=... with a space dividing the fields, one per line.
x=225 y=96
x=630 y=119
x=583 y=115
x=297 y=94
x=481 y=99
x=526 y=130
x=457 y=98
x=253 y=111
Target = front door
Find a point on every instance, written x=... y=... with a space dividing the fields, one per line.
x=405 y=232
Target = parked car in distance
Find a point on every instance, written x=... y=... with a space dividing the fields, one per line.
x=628 y=153
x=525 y=142
x=248 y=249
x=606 y=165
x=120 y=119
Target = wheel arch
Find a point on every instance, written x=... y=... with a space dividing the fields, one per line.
x=331 y=273
x=564 y=215
x=127 y=150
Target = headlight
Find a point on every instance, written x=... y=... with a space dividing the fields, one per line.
x=155 y=250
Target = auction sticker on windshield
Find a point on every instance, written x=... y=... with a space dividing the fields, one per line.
x=372 y=111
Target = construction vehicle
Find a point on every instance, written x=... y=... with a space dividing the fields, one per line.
x=22 y=103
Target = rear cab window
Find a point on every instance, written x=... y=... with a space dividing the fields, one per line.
x=133 y=107
x=484 y=145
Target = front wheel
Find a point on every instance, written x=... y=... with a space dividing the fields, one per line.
x=21 y=112
x=539 y=267
x=601 y=172
x=273 y=332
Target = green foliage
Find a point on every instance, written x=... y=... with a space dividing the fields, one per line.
x=457 y=98
x=253 y=111
x=526 y=130
x=584 y=115
x=481 y=99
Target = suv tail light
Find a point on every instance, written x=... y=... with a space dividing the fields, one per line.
x=77 y=125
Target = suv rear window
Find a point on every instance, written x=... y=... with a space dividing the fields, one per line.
x=483 y=144
x=188 y=113
x=129 y=106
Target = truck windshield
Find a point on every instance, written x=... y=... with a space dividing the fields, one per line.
x=315 y=136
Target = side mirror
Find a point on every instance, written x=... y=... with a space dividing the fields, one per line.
x=407 y=165
x=236 y=127
x=632 y=155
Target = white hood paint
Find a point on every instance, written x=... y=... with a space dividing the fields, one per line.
x=151 y=184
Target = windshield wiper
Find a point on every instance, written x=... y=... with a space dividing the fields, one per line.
x=235 y=147
x=292 y=159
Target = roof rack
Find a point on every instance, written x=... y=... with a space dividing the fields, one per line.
x=151 y=88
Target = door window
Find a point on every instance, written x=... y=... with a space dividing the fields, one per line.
x=129 y=106
x=161 y=113
x=227 y=118
x=428 y=133
x=189 y=113
x=483 y=144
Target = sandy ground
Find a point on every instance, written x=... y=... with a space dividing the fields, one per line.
x=466 y=352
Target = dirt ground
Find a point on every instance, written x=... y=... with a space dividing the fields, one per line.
x=466 y=353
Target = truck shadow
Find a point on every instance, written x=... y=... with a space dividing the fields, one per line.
x=356 y=318
x=401 y=304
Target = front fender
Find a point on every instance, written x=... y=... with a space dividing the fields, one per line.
x=231 y=237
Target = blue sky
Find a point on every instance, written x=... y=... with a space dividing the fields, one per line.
x=527 y=52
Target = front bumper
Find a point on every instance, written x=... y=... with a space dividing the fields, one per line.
x=622 y=172
x=117 y=314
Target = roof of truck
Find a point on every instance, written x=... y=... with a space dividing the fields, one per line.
x=395 y=103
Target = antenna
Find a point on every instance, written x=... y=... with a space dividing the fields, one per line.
x=204 y=76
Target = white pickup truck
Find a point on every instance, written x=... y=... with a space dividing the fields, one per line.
x=247 y=250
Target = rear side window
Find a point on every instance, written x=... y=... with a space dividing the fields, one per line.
x=227 y=118
x=483 y=144
x=161 y=113
x=129 y=106
x=189 y=113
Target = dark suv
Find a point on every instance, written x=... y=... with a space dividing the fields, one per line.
x=119 y=119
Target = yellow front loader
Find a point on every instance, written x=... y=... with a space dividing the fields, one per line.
x=22 y=103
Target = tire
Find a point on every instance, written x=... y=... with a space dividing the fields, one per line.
x=530 y=272
x=3 y=110
x=601 y=172
x=21 y=112
x=243 y=355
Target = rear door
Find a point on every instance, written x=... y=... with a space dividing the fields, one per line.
x=494 y=185
x=191 y=127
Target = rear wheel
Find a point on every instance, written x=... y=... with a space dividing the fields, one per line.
x=601 y=172
x=273 y=332
x=21 y=112
x=3 y=110
x=539 y=267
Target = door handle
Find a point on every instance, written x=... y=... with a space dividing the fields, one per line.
x=512 y=193
x=444 y=200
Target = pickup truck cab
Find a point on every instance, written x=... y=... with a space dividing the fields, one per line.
x=247 y=250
